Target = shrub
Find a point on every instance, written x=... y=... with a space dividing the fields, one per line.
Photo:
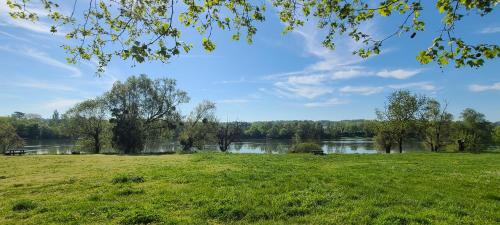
x=141 y=217
x=305 y=148
x=127 y=179
x=23 y=205
x=129 y=191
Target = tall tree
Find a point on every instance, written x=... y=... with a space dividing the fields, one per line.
x=8 y=137
x=141 y=106
x=18 y=115
x=55 y=116
x=227 y=133
x=402 y=111
x=385 y=136
x=150 y=30
x=88 y=121
x=496 y=135
x=199 y=127
x=473 y=131
x=437 y=125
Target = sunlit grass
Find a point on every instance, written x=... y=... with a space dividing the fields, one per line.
x=211 y=188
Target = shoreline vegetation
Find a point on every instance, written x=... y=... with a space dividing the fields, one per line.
x=216 y=188
x=142 y=110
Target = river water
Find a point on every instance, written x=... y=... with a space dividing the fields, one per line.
x=341 y=145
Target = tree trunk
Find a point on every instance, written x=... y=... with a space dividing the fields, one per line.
x=438 y=142
x=97 y=144
x=461 y=145
x=400 y=145
x=388 y=149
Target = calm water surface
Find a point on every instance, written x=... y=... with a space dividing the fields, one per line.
x=342 y=145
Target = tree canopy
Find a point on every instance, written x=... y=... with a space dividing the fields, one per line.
x=141 y=107
x=151 y=29
x=401 y=112
x=87 y=120
x=9 y=138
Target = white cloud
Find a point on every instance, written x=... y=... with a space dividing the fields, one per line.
x=364 y=90
x=490 y=30
x=480 y=88
x=301 y=91
x=331 y=59
x=398 y=74
x=45 y=59
x=347 y=74
x=369 y=90
x=426 y=86
x=43 y=85
x=61 y=104
x=327 y=103
x=309 y=79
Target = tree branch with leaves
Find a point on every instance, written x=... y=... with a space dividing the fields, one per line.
x=150 y=30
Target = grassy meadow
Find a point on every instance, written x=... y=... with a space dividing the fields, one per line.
x=213 y=188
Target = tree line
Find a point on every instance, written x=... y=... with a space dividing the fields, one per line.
x=131 y=114
x=142 y=110
x=407 y=115
x=305 y=130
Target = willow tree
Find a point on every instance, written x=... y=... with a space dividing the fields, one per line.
x=87 y=120
x=140 y=107
x=144 y=30
x=199 y=127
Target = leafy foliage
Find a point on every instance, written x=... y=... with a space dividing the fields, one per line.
x=199 y=127
x=142 y=108
x=473 y=131
x=149 y=30
x=33 y=126
x=9 y=138
x=307 y=129
x=401 y=112
x=496 y=135
x=437 y=124
x=227 y=133
x=385 y=138
x=87 y=120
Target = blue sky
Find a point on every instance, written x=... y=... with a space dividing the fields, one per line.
x=278 y=77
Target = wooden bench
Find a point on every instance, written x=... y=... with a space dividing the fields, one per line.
x=15 y=152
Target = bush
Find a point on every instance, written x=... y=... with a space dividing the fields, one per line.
x=129 y=191
x=141 y=217
x=127 y=179
x=305 y=148
x=23 y=205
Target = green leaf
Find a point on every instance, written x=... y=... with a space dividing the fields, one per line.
x=208 y=45
x=442 y=60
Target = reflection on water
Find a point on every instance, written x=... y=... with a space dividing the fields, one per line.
x=44 y=147
x=342 y=145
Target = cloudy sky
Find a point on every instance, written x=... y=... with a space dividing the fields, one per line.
x=278 y=77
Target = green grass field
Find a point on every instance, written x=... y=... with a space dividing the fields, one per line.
x=213 y=188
